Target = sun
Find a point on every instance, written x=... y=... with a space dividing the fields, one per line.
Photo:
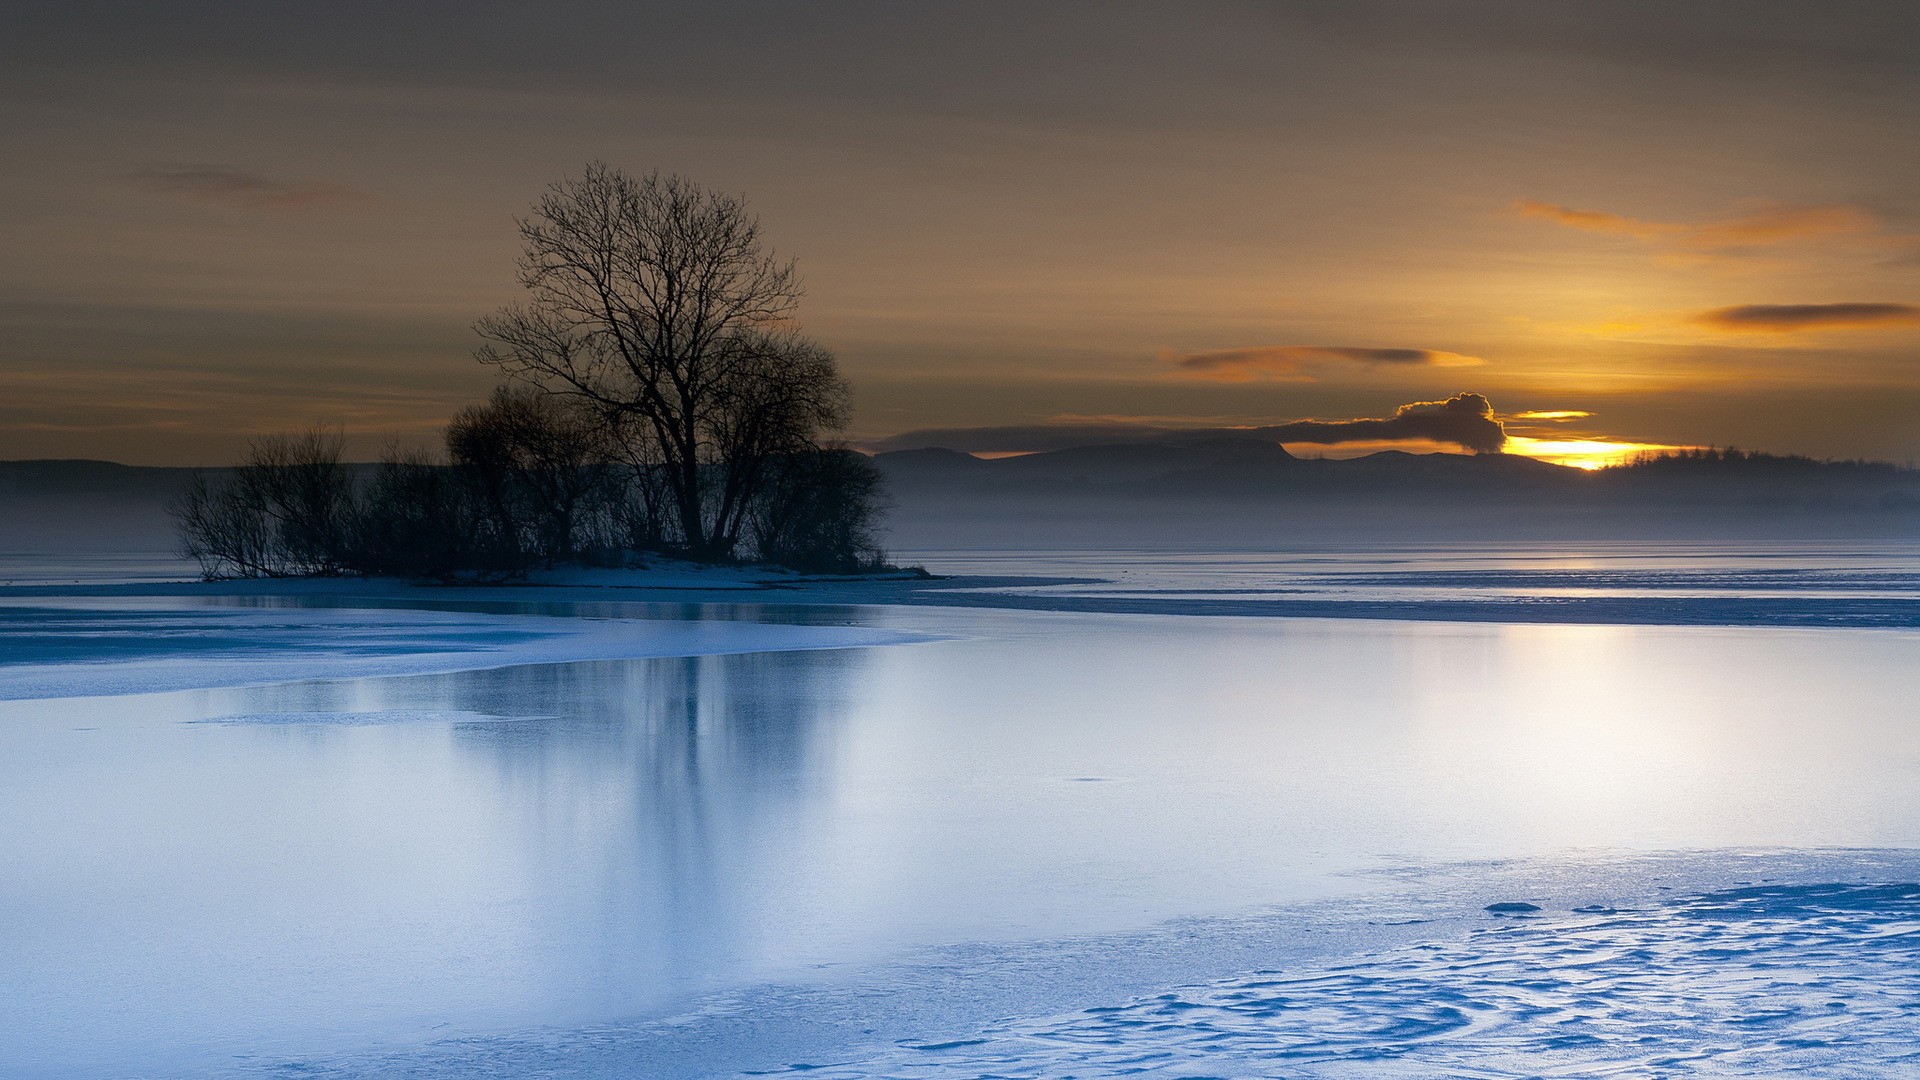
x=1588 y=454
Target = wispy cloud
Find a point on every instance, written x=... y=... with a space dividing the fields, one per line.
x=1795 y=318
x=1555 y=415
x=1061 y=433
x=1288 y=363
x=1596 y=221
x=247 y=190
x=1764 y=226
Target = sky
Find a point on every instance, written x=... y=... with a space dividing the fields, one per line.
x=1019 y=224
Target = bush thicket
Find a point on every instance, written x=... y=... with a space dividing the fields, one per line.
x=516 y=492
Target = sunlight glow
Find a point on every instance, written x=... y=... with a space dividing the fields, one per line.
x=1583 y=453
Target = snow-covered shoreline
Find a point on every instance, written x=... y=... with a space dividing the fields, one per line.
x=1685 y=963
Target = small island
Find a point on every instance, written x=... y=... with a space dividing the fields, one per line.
x=659 y=400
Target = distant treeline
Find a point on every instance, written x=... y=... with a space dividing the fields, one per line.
x=1730 y=458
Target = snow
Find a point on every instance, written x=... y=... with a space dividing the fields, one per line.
x=1814 y=979
x=1747 y=965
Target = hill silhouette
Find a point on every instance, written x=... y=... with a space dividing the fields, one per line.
x=1210 y=491
x=1236 y=491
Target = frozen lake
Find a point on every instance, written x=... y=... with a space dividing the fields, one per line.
x=927 y=848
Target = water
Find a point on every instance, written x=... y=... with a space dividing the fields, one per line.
x=1463 y=572
x=93 y=568
x=850 y=858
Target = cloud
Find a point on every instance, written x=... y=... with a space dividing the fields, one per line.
x=1285 y=362
x=246 y=190
x=1464 y=420
x=1597 y=221
x=1023 y=438
x=1767 y=225
x=1778 y=225
x=1792 y=318
x=1556 y=415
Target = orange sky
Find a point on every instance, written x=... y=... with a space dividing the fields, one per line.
x=223 y=220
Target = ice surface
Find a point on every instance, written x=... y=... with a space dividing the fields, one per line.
x=364 y=719
x=1753 y=584
x=1743 y=964
x=1695 y=584
x=67 y=647
x=1769 y=980
x=568 y=835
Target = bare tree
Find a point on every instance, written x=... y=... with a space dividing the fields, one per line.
x=784 y=394
x=540 y=464
x=645 y=509
x=288 y=510
x=416 y=520
x=818 y=512
x=657 y=301
x=225 y=535
x=662 y=400
x=307 y=492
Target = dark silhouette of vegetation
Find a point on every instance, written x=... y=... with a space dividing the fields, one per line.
x=416 y=519
x=660 y=402
x=541 y=477
x=289 y=510
x=1718 y=459
x=655 y=303
x=520 y=491
x=818 y=511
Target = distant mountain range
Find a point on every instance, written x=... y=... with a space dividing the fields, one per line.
x=80 y=477
x=1243 y=491
x=1241 y=468
x=1210 y=467
x=88 y=506
x=1189 y=492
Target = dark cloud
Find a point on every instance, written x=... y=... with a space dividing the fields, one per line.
x=1787 y=318
x=1464 y=420
x=251 y=191
x=1285 y=362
